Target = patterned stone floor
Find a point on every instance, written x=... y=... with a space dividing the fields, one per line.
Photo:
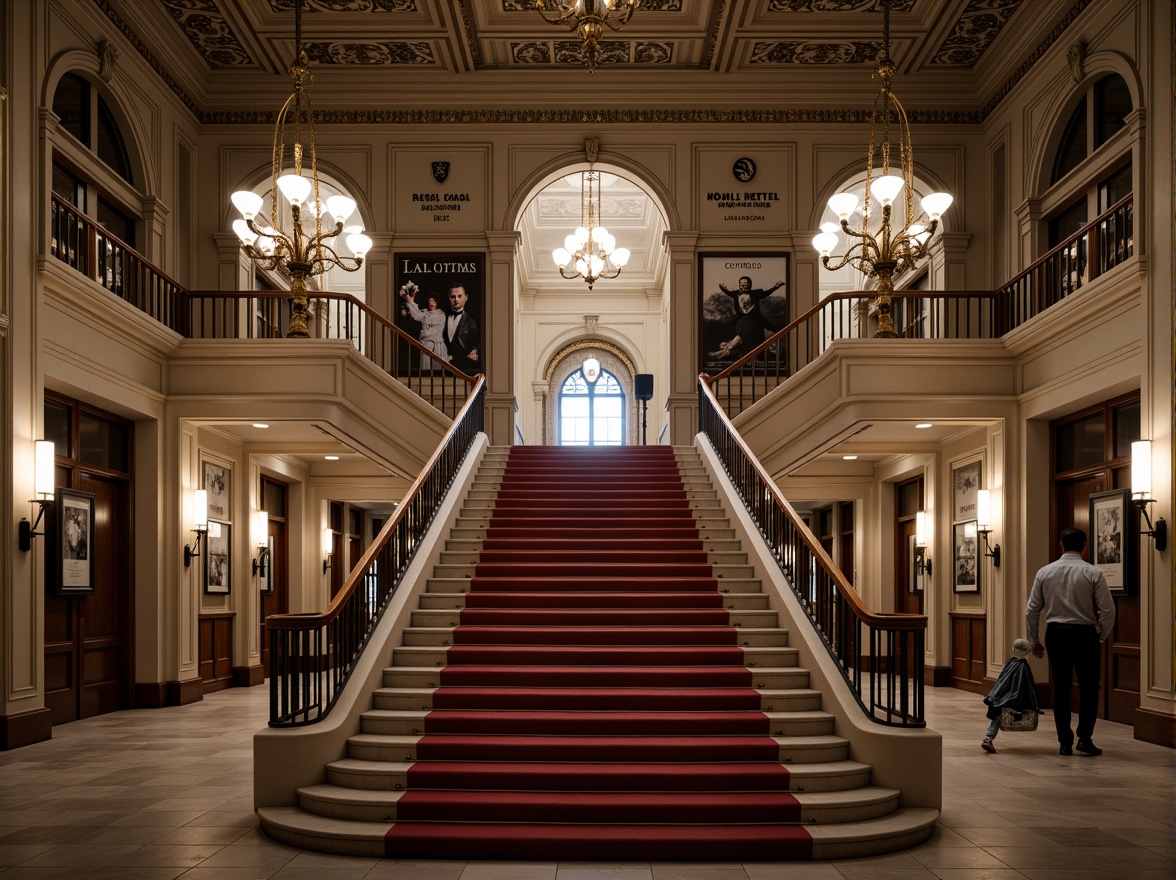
x=167 y=793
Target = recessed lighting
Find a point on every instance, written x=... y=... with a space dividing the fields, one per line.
x=849 y=457
x=924 y=425
x=260 y=425
x=331 y=457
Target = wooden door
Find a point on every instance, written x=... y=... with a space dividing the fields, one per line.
x=908 y=501
x=277 y=601
x=1091 y=454
x=88 y=644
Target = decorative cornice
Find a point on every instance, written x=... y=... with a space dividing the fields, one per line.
x=558 y=116
x=558 y=357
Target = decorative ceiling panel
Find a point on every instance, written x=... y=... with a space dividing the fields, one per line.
x=975 y=32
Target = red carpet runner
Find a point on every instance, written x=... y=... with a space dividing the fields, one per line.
x=595 y=704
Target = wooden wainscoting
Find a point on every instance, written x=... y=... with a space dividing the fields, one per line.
x=968 y=660
x=216 y=650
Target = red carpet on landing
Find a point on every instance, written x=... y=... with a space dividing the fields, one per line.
x=595 y=703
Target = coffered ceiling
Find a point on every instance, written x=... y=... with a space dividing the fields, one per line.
x=232 y=55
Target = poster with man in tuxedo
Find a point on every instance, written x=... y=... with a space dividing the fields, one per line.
x=456 y=280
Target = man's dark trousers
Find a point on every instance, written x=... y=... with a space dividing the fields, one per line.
x=1074 y=648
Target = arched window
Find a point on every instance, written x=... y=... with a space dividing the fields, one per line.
x=1101 y=113
x=92 y=175
x=591 y=408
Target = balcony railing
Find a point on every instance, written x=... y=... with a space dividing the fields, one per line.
x=84 y=245
x=879 y=655
x=920 y=314
x=313 y=655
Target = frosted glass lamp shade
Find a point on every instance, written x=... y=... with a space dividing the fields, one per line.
x=295 y=188
x=825 y=242
x=340 y=207
x=983 y=509
x=1141 y=476
x=360 y=244
x=843 y=204
x=936 y=204
x=561 y=256
x=200 y=509
x=44 y=466
x=247 y=235
x=620 y=257
x=247 y=202
x=886 y=188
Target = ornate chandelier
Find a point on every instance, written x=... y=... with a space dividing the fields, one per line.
x=590 y=252
x=588 y=18
x=298 y=244
x=884 y=242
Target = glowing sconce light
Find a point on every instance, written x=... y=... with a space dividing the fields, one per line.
x=984 y=524
x=199 y=525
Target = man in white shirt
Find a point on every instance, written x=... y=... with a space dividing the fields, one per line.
x=1079 y=613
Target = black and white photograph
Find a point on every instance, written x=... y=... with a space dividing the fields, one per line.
x=218 y=569
x=217 y=485
x=965 y=486
x=1110 y=542
x=965 y=570
x=440 y=303
x=916 y=565
x=74 y=545
x=743 y=301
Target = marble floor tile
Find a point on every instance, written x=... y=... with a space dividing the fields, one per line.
x=153 y=795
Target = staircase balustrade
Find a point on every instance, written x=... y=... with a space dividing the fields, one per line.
x=312 y=655
x=879 y=655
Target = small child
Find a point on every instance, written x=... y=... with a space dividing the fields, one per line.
x=1014 y=689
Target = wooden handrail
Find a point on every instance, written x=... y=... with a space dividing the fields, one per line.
x=860 y=609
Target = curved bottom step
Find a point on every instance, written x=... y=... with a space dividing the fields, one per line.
x=735 y=843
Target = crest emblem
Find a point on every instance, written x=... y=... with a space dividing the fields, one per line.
x=743 y=169
x=440 y=171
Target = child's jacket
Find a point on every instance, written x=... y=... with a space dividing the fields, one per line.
x=1014 y=689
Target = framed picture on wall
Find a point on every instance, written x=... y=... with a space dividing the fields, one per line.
x=218 y=569
x=1112 y=541
x=742 y=300
x=441 y=303
x=217 y=484
x=965 y=568
x=965 y=485
x=72 y=547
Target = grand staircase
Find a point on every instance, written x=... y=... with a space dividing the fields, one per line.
x=593 y=673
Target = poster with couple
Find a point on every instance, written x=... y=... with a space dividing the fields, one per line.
x=439 y=302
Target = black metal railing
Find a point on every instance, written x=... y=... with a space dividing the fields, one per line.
x=879 y=655
x=922 y=314
x=313 y=655
x=85 y=246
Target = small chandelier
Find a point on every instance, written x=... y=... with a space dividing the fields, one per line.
x=590 y=252
x=881 y=246
x=588 y=18
x=285 y=244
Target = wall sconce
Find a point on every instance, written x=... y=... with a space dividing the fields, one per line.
x=328 y=548
x=1141 y=492
x=199 y=525
x=43 y=472
x=984 y=524
x=922 y=560
x=261 y=538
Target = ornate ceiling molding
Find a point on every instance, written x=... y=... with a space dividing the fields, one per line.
x=591 y=342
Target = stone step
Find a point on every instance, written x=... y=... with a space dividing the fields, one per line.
x=731 y=601
x=431 y=618
x=421 y=698
x=436 y=655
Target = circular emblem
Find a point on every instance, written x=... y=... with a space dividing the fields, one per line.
x=743 y=169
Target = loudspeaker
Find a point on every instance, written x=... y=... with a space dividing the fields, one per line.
x=643 y=386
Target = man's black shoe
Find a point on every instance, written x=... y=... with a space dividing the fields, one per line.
x=1065 y=750
x=1088 y=748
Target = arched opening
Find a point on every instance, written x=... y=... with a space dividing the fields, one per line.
x=555 y=314
x=591 y=407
